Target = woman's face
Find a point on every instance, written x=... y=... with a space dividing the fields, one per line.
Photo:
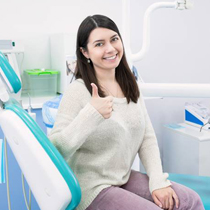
x=104 y=48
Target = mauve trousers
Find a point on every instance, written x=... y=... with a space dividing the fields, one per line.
x=135 y=195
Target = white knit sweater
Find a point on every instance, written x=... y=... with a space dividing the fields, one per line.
x=101 y=151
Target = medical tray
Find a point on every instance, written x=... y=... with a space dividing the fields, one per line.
x=41 y=82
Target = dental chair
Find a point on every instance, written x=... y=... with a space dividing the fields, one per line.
x=200 y=184
x=49 y=177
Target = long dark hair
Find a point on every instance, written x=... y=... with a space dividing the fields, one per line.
x=85 y=70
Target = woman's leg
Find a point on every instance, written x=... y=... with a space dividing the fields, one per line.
x=189 y=199
x=116 y=198
x=138 y=183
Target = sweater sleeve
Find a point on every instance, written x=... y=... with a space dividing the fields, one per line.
x=150 y=155
x=74 y=121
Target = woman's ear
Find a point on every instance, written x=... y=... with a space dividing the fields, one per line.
x=84 y=52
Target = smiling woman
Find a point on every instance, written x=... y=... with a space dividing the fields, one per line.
x=102 y=124
x=101 y=59
x=105 y=49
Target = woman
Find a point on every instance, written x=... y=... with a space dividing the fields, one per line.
x=101 y=125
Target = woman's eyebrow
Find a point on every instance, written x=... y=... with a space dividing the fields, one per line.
x=100 y=40
x=114 y=36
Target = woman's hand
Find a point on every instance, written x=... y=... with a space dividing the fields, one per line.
x=164 y=198
x=102 y=105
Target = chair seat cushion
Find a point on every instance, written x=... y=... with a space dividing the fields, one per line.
x=200 y=184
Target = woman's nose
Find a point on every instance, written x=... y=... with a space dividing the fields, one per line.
x=109 y=48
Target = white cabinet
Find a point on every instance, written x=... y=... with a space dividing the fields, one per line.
x=63 y=58
x=186 y=150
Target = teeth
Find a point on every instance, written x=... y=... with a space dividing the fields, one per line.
x=109 y=58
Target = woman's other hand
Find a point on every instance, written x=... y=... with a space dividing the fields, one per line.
x=102 y=105
x=165 y=198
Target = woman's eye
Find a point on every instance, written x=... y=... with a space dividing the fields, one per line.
x=115 y=39
x=99 y=44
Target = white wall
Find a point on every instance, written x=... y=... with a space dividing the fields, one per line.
x=179 y=50
x=33 y=21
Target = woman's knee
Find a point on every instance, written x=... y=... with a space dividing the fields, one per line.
x=188 y=198
x=194 y=201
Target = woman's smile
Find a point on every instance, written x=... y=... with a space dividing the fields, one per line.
x=105 y=49
x=111 y=57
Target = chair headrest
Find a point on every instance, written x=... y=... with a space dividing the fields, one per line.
x=8 y=75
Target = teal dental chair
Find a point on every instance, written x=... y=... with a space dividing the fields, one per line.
x=199 y=184
x=50 y=179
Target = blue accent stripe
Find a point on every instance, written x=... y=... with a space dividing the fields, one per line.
x=10 y=73
x=2 y=176
x=53 y=153
x=3 y=163
x=48 y=125
x=191 y=118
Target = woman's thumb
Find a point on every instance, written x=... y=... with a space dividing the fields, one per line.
x=94 y=91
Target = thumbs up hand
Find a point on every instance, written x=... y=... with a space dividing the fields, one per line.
x=102 y=105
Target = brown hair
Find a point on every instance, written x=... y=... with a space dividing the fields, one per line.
x=86 y=71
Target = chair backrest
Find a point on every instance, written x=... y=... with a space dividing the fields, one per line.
x=48 y=175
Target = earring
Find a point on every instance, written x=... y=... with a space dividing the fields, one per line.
x=88 y=60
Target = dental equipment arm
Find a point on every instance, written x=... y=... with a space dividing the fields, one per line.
x=159 y=89
x=179 y=4
x=176 y=90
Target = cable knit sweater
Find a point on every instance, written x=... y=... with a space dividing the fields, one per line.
x=101 y=151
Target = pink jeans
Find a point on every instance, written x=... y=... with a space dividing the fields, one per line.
x=135 y=195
